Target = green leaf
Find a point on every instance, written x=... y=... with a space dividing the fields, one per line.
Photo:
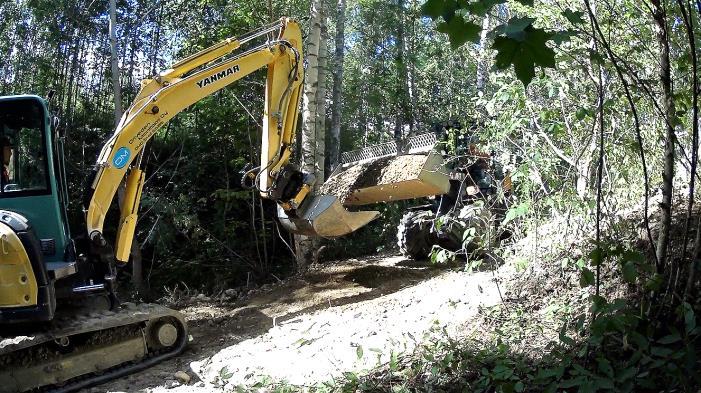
x=689 y=318
x=502 y=372
x=519 y=387
x=661 y=351
x=515 y=27
x=626 y=374
x=639 y=340
x=460 y=31
x=634 y=256
x=604 y=366
x=544 y=373
x=482 y=7
x=596 y=256
x=563 y=336
x=563 y=36
x=655 y=282
x=524 y=54
x=224 y=373
x=587 y=278
x=393 y=362
x=434 y=8
x=526 y=2
x=359 y=352
x=351 y=376
x=516 y=212
x=630 y=272
x=670 y=339
x=572 y=382
x=575 y=17
x=602 y=383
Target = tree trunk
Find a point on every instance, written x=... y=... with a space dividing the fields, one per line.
x=337 y=108
x=320 y=159
x=309 y=118
x=660 y=18
x=482 y=58
x=114 y=57
x=402 y=88
x=693 y=265
x=135 y=251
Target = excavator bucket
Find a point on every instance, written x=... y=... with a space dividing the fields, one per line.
x=388 y=172
x=323 y=215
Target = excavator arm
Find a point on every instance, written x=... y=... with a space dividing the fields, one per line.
x=189 y=81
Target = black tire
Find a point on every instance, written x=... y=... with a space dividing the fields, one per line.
x=414 y=235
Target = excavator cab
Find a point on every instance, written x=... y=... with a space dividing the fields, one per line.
x=36 y=244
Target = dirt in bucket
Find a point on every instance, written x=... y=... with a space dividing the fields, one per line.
x=385 y=170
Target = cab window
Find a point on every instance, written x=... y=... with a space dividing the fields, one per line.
x=23 y=148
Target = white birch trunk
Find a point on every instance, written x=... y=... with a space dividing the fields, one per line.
x=337 y=105
x=304 y=244
x=483 y=57
x=320 y=159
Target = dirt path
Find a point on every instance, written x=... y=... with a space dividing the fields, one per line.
x=309 y=329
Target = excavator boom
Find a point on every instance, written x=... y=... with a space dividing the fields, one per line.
x=187 y=82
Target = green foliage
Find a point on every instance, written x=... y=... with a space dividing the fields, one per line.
x=517 y=42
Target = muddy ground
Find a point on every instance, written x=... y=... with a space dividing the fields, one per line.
x=310 y=328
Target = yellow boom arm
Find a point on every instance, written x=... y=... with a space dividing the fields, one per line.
x=187 y=82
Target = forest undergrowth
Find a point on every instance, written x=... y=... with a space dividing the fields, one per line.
x=560 y=327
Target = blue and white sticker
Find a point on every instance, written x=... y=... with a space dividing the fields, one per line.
x=121 y=157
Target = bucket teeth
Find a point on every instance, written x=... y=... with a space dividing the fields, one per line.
x=324 y=216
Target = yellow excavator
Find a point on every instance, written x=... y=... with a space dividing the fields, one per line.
x=62 y=327
x=61 y=287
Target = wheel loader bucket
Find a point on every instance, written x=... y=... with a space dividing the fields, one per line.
x=389 y=178
x=324 y=216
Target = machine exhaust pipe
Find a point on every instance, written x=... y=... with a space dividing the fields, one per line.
x=324 y=216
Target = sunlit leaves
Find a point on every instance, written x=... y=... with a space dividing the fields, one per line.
x=517 y=42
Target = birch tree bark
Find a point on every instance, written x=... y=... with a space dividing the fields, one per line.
x=310 y=134
x=483 y=58
x=403 y=113
x=337 y=89
x=320 y=158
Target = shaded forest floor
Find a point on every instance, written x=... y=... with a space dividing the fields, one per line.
x=341 y=316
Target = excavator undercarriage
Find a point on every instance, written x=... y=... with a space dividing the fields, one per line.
x=82 y=347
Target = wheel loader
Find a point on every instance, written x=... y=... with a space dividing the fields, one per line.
x=465 y=187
